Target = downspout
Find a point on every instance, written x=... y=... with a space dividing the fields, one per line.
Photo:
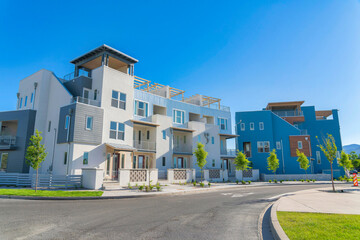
x=53 y=155
x=35 y=86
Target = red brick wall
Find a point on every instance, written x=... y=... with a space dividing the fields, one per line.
x=294 y=145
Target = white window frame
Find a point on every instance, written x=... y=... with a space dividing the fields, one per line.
x=136 y=108
x=86 y=123
x=88 y=90
x=252 y=126
x=225 y=123
x=318 y=157
x=278 y=145
x=261 y=126
x=118 y=99
x=182 y=116
x=262 y=145
x=300 y=145
x=87 y=158
x=67 y=122
x=117 y=131
x=242 y=126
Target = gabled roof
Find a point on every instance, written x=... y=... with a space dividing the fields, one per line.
x=104 y=48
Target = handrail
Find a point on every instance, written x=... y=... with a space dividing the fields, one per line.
x=288 y=113
x=86 y=101
x=7 y=140
x=144 y=145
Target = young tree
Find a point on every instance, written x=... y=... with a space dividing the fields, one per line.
x=355 y=160
x=200 y=155
x=273 y=161
x=345 y=162
x=328 y=147
x=303 y=161
x=241 y=163
x=35 y=153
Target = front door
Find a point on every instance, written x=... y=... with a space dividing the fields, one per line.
x=115 y=173
x=180 y=162
x=141 y=161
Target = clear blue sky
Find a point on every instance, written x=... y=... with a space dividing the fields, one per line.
x=246 y=52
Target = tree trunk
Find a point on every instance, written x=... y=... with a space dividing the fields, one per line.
x=242 y=175
x=332 y=178
x=201 y=174
x=36 y=181
x=306 y=174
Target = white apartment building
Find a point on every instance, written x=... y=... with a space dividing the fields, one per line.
x=103 y=116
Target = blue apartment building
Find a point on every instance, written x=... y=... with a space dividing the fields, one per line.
x=286 y=127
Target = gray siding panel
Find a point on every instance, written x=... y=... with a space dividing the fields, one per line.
x=25 y=128
x=77 y=85
x=78 y=132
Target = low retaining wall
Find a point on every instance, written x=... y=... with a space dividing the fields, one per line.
x=137 y=176
x=278 y=177
x=180 y=175
x=92 y=178
x=215 y=175
x=248 y=175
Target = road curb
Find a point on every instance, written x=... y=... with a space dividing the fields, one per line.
x=261 y=219
x=276 y=229
x=128 y=196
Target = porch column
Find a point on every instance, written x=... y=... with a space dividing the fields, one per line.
x=132 y=160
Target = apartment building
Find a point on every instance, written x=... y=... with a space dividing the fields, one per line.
x=286 y=127
x=103 y=116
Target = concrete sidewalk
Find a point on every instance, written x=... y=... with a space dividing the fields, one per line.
x=323 y=201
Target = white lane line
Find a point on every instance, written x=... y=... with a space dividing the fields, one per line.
x=225 y=194
x=241 y=195
x=279 y=196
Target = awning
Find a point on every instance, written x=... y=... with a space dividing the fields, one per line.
x=121 y=147
x=182 y=129
x=228 y=136
x=150 y=124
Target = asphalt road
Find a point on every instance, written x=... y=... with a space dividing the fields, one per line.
x=230 y=214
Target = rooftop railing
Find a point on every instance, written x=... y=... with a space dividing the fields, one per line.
x=86 y=101
x=289 y=113
x=71 y=75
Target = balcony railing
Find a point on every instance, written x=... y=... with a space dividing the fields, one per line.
x=304 y=132
x=144 y=145
x=289 y=113
x=221 y=107
x=71 y=75
x=228 y=152
x=7 y=142
x=182 y=148
x=86 y=101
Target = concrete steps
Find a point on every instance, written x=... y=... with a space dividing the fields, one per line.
x=111 y=185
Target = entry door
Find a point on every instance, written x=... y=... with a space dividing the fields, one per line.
x=226 y=164
x=116 y=159
x=180 y=162
x=141 y=161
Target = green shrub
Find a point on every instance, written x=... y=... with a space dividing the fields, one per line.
x=275 y=181
x=194 y=183
x=249 y=182
x=243 y=182
x=151 y=187
x=313 y=180
x=158 y=188
x=129 y=186
x=281 y=181
x=302 y=180
x=209 y=183
x=202 y=184
x=295 y=180
x=237 y=181
x=147 y=188
x=141 y=188
x=270 y=181
x=307 y=180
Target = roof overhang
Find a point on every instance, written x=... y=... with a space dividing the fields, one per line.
x=144 y=123
x=228 y=136
x=323 y=113
x=182 y=129
x=293 y=104
x=104 y=48
x=121 y=147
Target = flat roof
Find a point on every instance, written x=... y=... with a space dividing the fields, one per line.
x=323 y=113
x=104 y=48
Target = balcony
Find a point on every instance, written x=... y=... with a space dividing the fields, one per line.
x=7 y=142
x=289 y=113
x=71 y=76
x=86 y=101
x=182 y=149
x=144 y=145
x=228 y=152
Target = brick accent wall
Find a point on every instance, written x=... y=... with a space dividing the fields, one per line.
x=305 y=144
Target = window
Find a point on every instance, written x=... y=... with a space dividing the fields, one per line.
x=118 y=100
x=247 y=149
x=263 y=146
x=67 y=121
x=300 y=146
x=95 y=94
x=65 y=158
x=25 y=103
x=318 y=157
x=86 y=158
x=148 y=135
x=212 y=140
x=89 y=123
x=117 y=130
x=86 y=93
x=261 y=125
x=242 y=126
x=174 y=162
x=199 y=138
x=49 y=126
x=122 y=160
x=337 y=154
x=178 y=116
x=141 y=108
x=164 y=134
x=3 y=161
x=163 y=161
x=222 y=122
x=213 y=163
x=278 y=145
x=20 y=106
x=134 y=162
x=32 y=98
x=252 y=126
